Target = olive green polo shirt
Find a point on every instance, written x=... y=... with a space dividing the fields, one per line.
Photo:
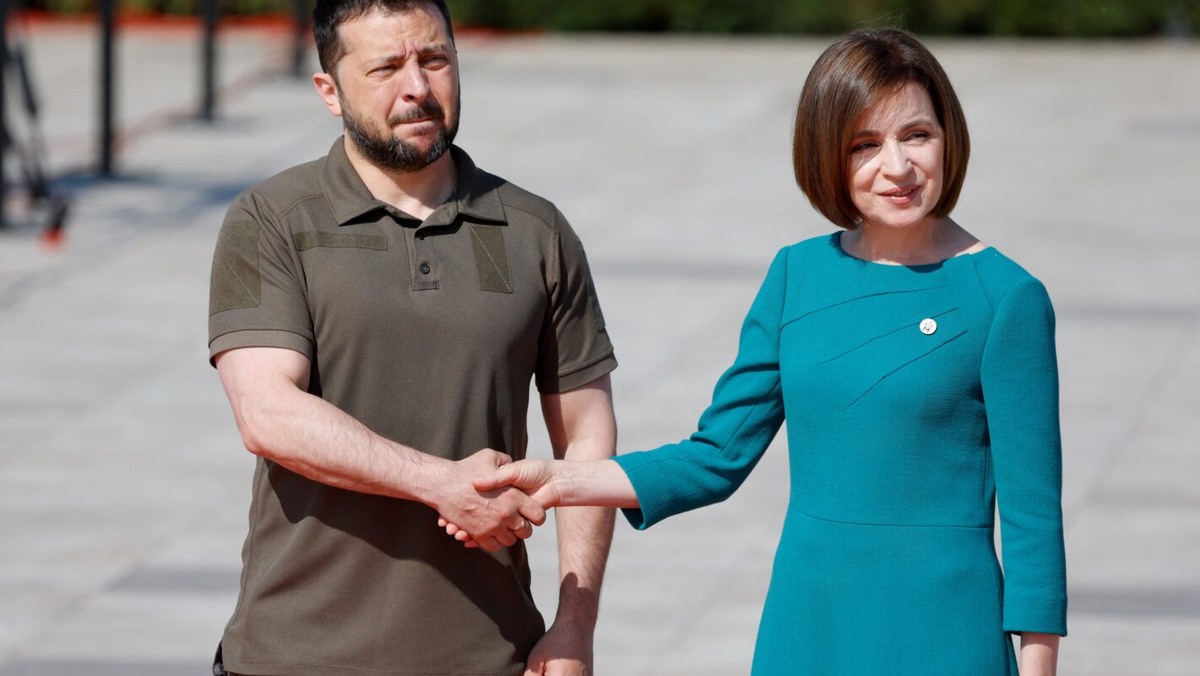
x=429 y=333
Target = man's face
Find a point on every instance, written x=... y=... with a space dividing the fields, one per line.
x=397 y=87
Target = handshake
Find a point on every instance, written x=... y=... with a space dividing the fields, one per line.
x=489 y=501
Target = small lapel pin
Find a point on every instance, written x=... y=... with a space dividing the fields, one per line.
x=928 y=326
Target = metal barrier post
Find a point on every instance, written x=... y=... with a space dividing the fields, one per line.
x=209 y=60
x=299 y=36
x=108 y=21
x=4 y=142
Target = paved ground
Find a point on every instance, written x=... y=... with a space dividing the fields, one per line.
x=123 y=488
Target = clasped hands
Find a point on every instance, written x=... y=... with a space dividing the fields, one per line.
x=490 y=502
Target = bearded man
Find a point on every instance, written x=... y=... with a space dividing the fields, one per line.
x=376 y=319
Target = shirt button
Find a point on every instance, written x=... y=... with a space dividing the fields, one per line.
x=928 y=326
x=424 y=268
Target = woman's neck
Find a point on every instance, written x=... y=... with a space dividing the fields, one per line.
x=930 y=242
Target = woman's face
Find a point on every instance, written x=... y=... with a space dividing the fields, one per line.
x=897 y=152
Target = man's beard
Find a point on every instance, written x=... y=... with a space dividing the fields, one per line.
x=386 y=151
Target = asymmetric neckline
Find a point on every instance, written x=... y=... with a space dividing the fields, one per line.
x=835 y=242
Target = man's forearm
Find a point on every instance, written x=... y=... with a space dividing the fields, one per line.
x=279 y=420
x=584 y=539
x=315 y=439
x=582 y=427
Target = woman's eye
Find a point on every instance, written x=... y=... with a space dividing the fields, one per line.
x=862 y=148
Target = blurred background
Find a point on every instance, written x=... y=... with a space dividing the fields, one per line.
x=662 y=130
x=1041 y=18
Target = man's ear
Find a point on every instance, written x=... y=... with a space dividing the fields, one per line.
x=327 y=89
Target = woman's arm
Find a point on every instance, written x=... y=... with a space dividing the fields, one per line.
x=732 y=434
x=1019 y=375
x=1039 y=654
x=566 y=483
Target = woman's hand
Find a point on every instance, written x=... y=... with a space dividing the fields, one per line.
x=555 y=483
x=537 y=478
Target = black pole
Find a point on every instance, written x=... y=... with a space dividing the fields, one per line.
x=299 y=36
x=209 y=60
x=108 y=21
x=4 y=139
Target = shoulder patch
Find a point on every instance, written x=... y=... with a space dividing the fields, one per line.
x=236 y=281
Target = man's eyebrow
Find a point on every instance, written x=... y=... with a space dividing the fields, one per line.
x=424 y=50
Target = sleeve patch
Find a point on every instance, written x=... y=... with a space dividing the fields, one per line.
x=236 y=281
x=312 y=239
x=593 y=297
x=491 y=258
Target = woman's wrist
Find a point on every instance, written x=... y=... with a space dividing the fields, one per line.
x=1039 y=654
x=599 y=483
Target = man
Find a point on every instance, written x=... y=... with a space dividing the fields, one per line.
x=376 y=318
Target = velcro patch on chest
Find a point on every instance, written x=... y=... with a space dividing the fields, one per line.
x=491 y=258
x=303 y=241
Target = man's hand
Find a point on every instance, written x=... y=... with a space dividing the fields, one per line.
x=533 y=477
x=494 y=518
x=561 y=652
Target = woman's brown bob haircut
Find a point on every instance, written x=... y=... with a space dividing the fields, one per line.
x=858 y=70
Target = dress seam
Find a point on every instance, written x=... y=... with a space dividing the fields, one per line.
x=801 y=512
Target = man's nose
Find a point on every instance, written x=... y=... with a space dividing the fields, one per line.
x=414 y=86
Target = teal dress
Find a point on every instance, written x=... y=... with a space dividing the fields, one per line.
x=916 y=400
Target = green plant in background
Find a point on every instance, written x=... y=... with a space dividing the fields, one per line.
x=1026 y=18
x=1039 y=18
x=163 y=7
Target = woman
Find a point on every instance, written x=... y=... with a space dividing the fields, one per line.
x=916 y=370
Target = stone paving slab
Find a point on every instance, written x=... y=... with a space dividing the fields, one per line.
x=123 y=489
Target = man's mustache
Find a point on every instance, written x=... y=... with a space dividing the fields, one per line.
x=426 y=110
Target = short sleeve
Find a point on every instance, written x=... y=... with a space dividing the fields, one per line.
x=256 y=291
x=733 y=432
x=1020 y=390
x=574 y=348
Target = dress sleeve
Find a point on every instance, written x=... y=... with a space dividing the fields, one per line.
x=1020 y=391
x=734 y=431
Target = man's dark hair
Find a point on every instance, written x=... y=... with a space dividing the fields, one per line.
x=328 y=15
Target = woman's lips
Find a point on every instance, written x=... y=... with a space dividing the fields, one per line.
x=901 y=195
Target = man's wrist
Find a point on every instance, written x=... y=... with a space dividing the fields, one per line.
x=577 y=609
x=430 y=479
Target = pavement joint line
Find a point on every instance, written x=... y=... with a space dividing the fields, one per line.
x=1154 y=392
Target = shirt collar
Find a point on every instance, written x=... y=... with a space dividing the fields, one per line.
x=474 y=196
